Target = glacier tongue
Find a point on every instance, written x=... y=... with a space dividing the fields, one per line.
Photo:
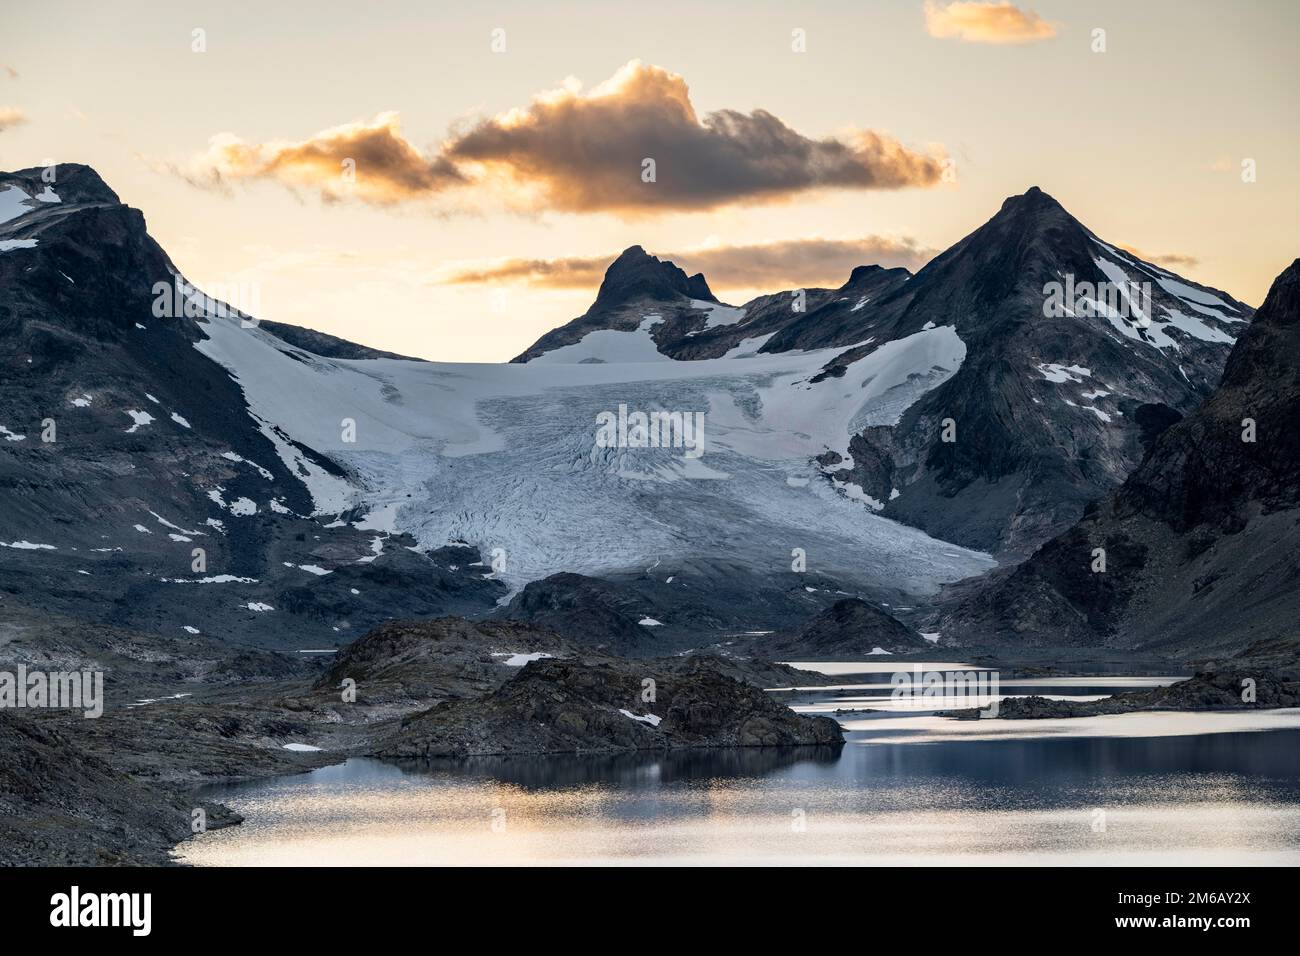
x=505 y=456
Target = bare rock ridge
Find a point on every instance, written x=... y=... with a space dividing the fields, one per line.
x=322 y=343
x=61 y=805
x=595 y=613
x=670 y=612
x=440 y=659
x=1202 y=692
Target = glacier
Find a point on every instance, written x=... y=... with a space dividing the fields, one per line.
x=504 y=456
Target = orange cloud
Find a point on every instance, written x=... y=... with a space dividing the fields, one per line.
x=793 y=263
x=372 y=162
x=1172 y=260
x=982 y=22
x=575 y=151
x=11 y=116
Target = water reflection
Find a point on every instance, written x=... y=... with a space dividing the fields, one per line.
x=906 y=788
x=628 y=769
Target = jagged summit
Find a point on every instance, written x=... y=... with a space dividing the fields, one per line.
x=637 y=274
x=638 y=288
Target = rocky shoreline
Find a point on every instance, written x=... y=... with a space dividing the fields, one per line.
x=125 y=789
x=185 y=713
x=1223 y=691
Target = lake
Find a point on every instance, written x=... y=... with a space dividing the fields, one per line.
x=909 y=787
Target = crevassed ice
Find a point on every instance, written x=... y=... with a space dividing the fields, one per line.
x=504 y=456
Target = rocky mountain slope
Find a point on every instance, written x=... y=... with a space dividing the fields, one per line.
x=61 y=805
x=137 y=487
x=1046 y=413
x=636 y=285
x=1200 y=542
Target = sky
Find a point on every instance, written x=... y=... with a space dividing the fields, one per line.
x=449 y=180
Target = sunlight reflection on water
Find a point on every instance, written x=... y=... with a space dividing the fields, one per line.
x=1151 y=789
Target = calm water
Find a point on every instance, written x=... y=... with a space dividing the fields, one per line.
x=909 y=787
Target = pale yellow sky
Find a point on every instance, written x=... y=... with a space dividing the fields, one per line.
x=1143 y=142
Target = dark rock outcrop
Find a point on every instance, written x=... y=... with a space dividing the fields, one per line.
x=850 y=629
x=322 y=343
x=567 y=706
x=594 y=613
x=636 y=285
x=440 y=659
x=637 y=274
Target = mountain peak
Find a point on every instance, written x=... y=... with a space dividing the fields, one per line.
x=637 y=274
x=1032 y=199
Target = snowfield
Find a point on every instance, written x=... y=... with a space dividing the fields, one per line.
x=505 y=456
x=1195 y=299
